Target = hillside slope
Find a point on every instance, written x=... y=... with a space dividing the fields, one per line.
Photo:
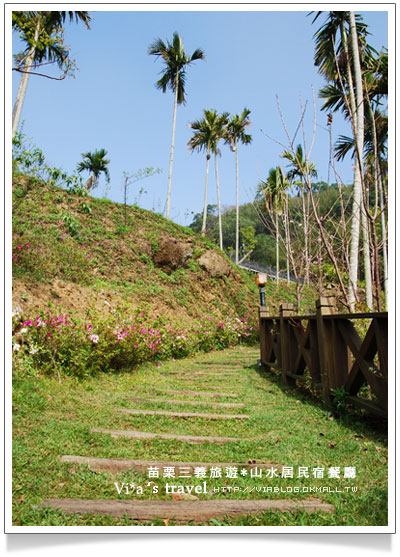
x=83 y=254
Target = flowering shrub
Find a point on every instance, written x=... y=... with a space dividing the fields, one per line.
x=65 y=345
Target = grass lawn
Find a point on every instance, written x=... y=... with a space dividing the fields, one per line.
x=286 y=426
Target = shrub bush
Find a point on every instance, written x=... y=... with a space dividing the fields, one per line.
x=63 y=345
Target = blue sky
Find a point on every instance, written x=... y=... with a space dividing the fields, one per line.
x=112 y=103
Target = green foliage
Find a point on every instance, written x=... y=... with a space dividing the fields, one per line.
x=122 y=230
x=339 y=399
x=154 y=248
x=96 y=164
x=175 y=62
x=34 y=257
x=71 y=223
x=85 y=208
x=43 y=35
x=28 y=160
x=248 y=237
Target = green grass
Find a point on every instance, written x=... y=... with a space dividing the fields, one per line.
x=286 y=427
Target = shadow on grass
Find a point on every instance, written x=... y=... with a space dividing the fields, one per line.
x=353 y=419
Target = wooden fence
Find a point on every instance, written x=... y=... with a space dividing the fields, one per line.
x=326 y=350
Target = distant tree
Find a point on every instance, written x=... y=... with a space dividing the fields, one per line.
x=274 y=190
x=174 y=76
x=299 y=171
x=96 y=164
x=42 y=33
x=197 y=223
x=235 y=133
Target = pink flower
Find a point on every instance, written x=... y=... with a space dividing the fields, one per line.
x=89 y=326
x=94 y=338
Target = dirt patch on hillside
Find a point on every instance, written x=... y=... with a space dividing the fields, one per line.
x=80 y=301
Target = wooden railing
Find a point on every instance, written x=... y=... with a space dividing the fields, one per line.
x=327 y=351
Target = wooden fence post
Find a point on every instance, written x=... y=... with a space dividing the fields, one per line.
x=264 y=311
x=288 y=343
x=325 y=306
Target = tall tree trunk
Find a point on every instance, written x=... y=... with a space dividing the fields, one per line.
x=171 y=157
x=203 y=228
x=287 y=239
x=277 y=249
x=379 y=194
x=221 y=244
x=355 y=214
x=359 y=142
x=19 y=101
x=384 y=236
x=305 y=230
x=237 y=204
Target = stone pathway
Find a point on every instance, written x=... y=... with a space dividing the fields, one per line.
x=203 y=374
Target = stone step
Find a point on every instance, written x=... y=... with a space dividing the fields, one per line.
x=183 y=414
x=185 y=511
x=195 y=378
x=202 y=393
x=219 y=364
x=197 y=373
x=147 y=435
x=190 y=402
x=142 y=466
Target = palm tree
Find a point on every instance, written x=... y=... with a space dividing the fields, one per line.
x=173 y=77
x=40 y=31
x=235 y=132
x=274 y=190
x=300 y=173
x=341 y=66
x=202 y=140
x=221 y=123
x=95 y=163
x=210 y=130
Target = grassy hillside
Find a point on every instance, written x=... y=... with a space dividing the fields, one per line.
x=84 y=263
x=84 y=244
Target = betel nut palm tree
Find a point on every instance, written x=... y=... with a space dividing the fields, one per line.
x=235 y=133
x=42 y=34
x=96 y=164
x=207 y=132
x=274 y=191
x=173 y=77
x=300 y=173
x=221 y=123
